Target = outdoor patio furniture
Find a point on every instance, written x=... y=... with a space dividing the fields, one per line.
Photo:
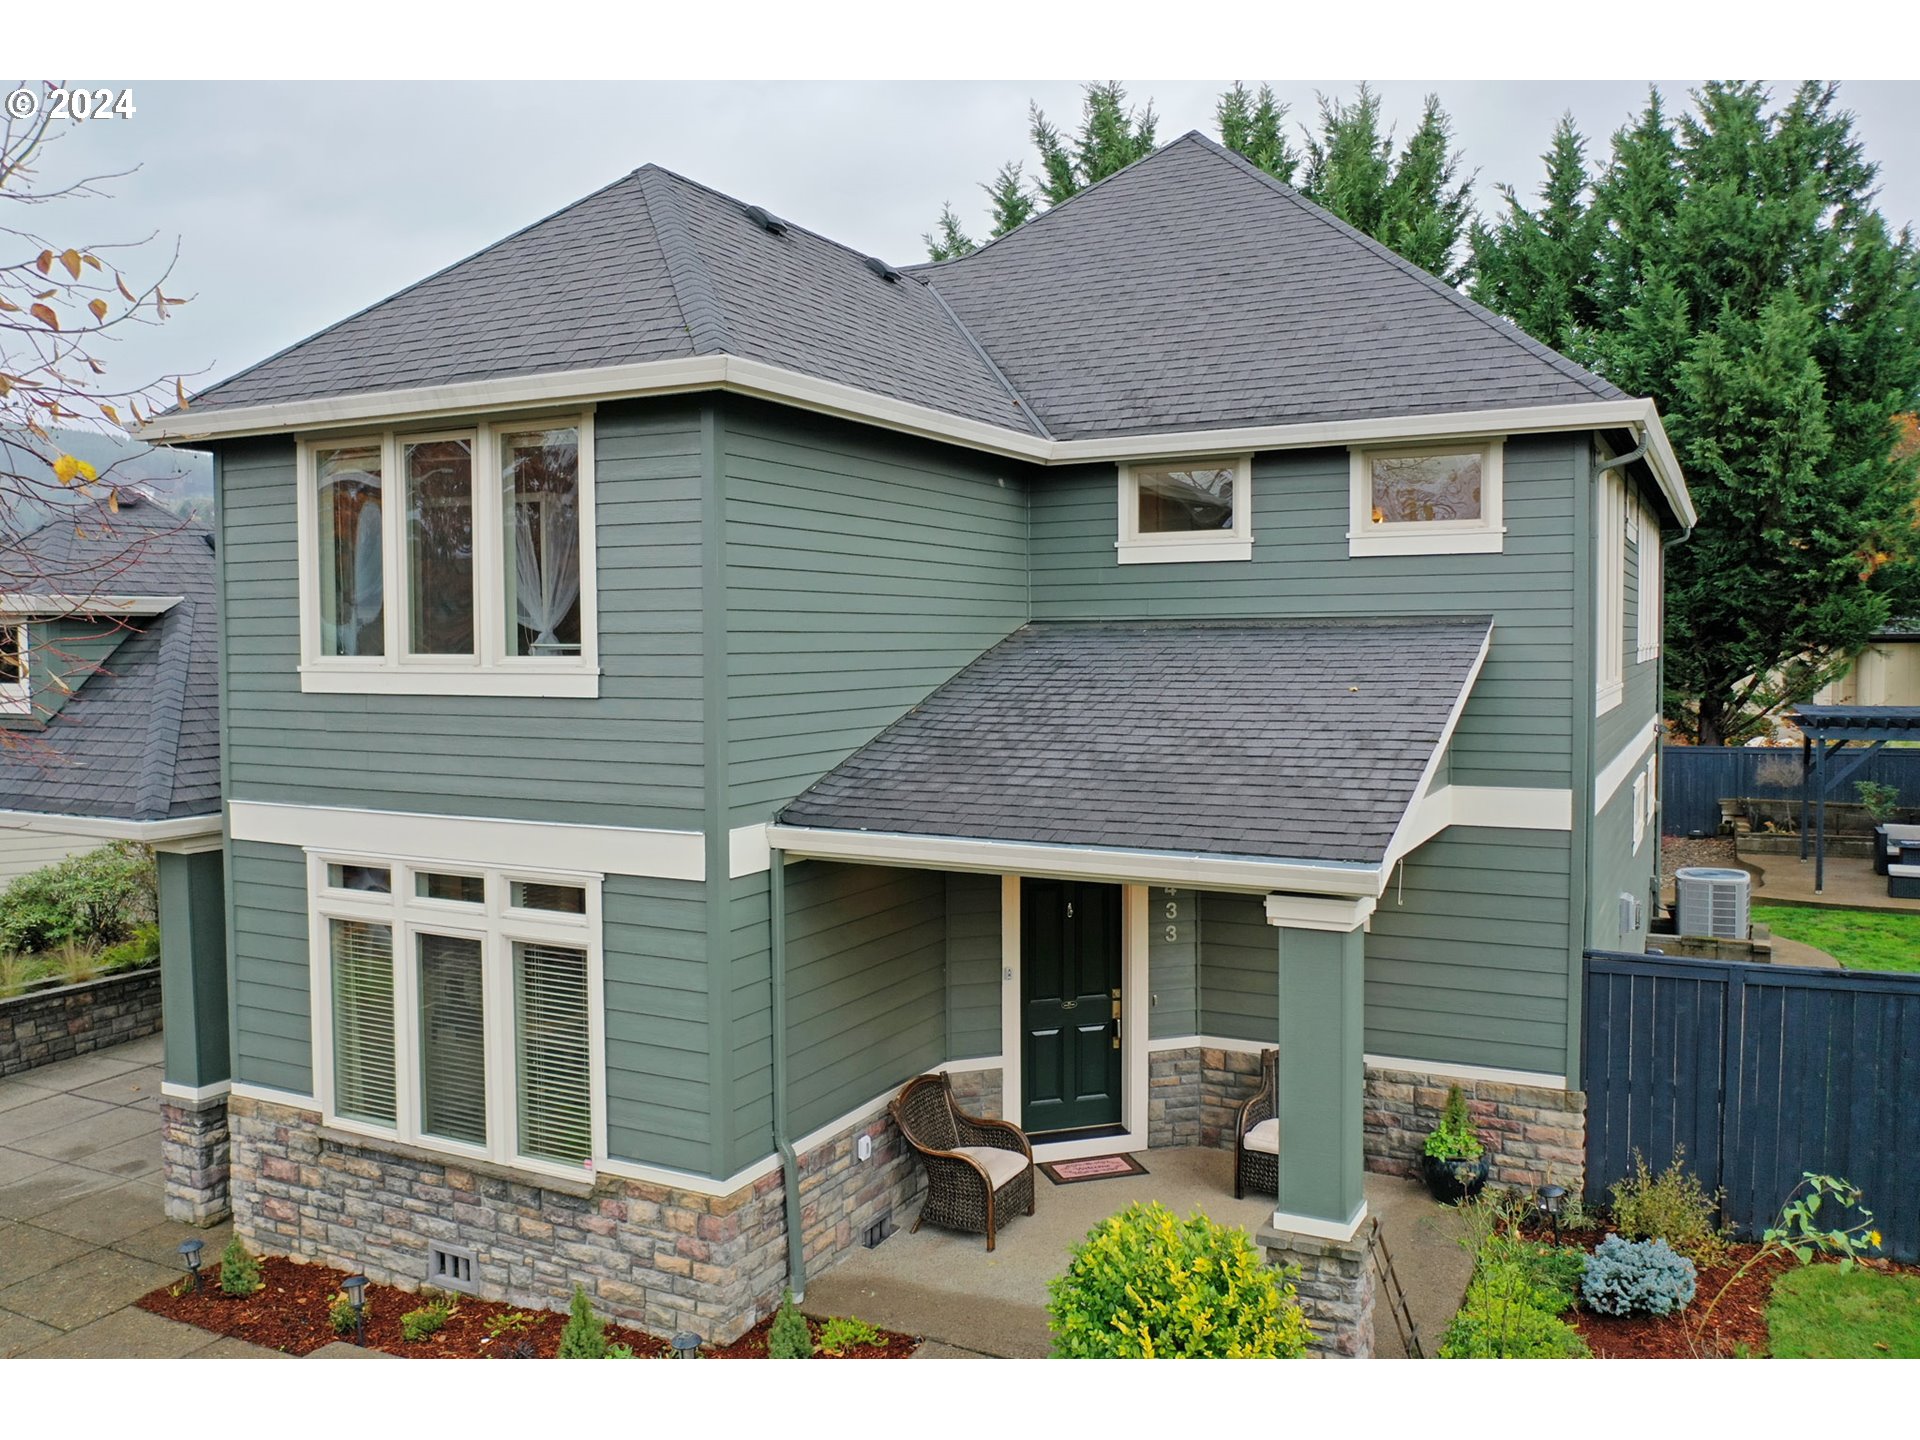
x=1888 y=842
x=1256 y=1138
x=978 y=1170
x=1903 y=882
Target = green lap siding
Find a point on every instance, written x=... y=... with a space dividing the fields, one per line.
x=1173 y=962
x=657 y=1022
x=750 y=987
x=973 y=966
x=1621 y=869
x=1517 y=727
x=1238 y=974
x=271 y=985
x=863 y=571
x=630 y=757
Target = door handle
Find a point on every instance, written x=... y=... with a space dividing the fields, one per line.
x=1069 y=1004
x=1116 y=1009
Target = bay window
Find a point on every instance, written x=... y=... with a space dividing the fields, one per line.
x=452 y=561
x=457 y=1009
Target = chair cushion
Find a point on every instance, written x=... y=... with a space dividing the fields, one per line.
x=1265 y=1136
x=1000 y=1165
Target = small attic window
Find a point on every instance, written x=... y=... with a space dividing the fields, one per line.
x=1179 y=510
x=1435 y=499
x=14 y=699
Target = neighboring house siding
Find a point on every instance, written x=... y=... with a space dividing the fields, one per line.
x=630 y=758
x=1516 y=728
x=272 y=1003
x=973 y=966
x=866 y=984
x=654 y=947
x=63 y=655
x=863 y=570
x=24 y=851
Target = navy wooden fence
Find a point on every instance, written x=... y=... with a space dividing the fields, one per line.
x=1695 y=778
x=1760 y=1072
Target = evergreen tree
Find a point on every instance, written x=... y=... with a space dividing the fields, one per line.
x=1250 y=124
x=585 y=1335
x=947 y=241
x=1730 y=266
x=1013 y=205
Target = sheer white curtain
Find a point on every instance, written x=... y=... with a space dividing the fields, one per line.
x=546 y=565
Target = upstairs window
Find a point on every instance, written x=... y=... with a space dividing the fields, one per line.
x=1186 y=510
x=1649 y=583
x=450 y=562
x=1610 y=594
x=1440 y=499
x=13 y=671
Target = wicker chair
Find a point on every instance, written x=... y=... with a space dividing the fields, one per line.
x=1256 y=1139
x=978 y=1171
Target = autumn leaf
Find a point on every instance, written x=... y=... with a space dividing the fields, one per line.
x=44 y=262
x=93 y=261
x=6 y=304
x=71 y=259
x=123 y=288
x=67 y=466
x=180 y=391
x=113 y=501
x=44 y=314
x=99 y=308
x=108 y=411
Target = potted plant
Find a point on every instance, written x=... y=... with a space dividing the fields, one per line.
x=1456 y=1164
x=1883 y=803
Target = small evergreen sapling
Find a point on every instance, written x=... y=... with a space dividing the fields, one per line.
x=585 y=1337
x=789 y=1338
x=1454 y=1139
x=239 y=1271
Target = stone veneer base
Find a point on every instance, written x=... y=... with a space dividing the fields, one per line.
x=195 y=1160
x=45 y=1026
x=1335 y=1287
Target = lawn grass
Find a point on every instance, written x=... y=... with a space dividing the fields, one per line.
x=1858 y=939
x=1820 y=1312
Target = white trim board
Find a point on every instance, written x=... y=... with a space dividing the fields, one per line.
x=195 y=1094
x=150 y=832
x=1614 y=774
x=1412 y=822
x=101 y=607
x=1315 y=1228
x=1447 y=1069
x=773 y=382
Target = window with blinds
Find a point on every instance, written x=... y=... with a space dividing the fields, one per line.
x=360 y=955
x=551 y=1055
x=453 y=1039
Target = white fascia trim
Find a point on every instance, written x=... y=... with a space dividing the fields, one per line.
x=1316 y=912
x=1145 y=867
x=747 y=851
x=148 y=832
x=193 y=845
x=1420 y=813
x=195 y=1094
x=1614 y=774
x=1448 y=1070
x=1510 y=807
x=1315 y=1228
x=106 y=607
x=772 y=382
x=459 y=839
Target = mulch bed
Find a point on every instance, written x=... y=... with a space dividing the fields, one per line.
x=289 y=1313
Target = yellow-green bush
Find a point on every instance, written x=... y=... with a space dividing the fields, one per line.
x=1147 y=1285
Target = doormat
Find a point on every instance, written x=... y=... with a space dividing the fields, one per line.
x=1098 y=1167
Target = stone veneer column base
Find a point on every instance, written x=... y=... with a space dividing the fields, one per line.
x=1194 y=1094
x=1537 y=1136
x=1335 y=1285
x=194 y=1160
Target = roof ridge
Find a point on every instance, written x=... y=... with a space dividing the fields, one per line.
x=824 y=239
x=1038 y=425
x=1504 y=328
x=693 y=287
x=166 y=709
x=266 y=360
x=1056 y=208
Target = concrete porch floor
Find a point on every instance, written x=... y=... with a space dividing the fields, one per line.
x=1850 y=882
x=945 y=1287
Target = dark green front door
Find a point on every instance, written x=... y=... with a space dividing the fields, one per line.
x=1070 y=986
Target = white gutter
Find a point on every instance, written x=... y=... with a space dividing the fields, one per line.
x=25 y=606
x=772 y=382
x=148 y=832
x=1079 y=862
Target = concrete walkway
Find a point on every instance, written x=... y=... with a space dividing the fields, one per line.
x=82 y=1233
x=946 y=1287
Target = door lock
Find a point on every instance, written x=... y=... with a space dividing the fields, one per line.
x=1116 y=1009
x=1069 y=1004
x=1116 y=1042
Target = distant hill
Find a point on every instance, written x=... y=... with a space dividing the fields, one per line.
x=182 y=480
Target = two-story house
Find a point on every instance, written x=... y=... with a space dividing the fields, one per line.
x=683 y=677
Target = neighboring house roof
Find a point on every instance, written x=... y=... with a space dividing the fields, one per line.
x=139 y=739
x=1282 y=740
x=1190 y=291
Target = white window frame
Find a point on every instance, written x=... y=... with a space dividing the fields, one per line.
x=1486 y=535
x=1639 y=810
x=1650 y=582
x=1137 y=548
x=1610 y=594
x=16 y=696
x=490 y=670
x=497 y=927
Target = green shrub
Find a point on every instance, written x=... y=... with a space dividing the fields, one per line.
x=1554 y=1271
x=429 y=1319
x=139 y=949
x=1672 y=1206
x=1148 y=1285
x=1637 y=1277
x=1882 y=802
x=619 y=1352
x=340 y=1313
x=585 y=1337
x=1455 y=1138
x=789 y=1338
x=97 y=898
x=508 y=1321
x=1506 y=1316
x=239 y=1271
x=842 y=1333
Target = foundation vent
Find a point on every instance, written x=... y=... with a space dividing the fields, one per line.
x=878 y=1231
x=449 y=1267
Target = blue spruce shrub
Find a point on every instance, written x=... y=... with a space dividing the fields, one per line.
x=1637 y=1277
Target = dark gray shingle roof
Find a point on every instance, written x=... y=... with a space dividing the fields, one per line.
x=1279 y=740
x=140 y=738
x=1189 y=291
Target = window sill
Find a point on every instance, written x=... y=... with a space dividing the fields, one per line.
x=1641 y=657
x=581 y=1185
x=1180 y=552
x=555 y=684
x=1608 y=697
x=1474 y=542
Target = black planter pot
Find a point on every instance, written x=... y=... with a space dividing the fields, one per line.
x=1451 y=1181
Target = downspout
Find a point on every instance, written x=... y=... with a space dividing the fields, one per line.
x=789 y=1161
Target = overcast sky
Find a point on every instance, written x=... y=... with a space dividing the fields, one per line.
x=296 y=204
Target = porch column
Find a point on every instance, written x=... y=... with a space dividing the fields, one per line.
x=193 y=1002
x=1319 y=1217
